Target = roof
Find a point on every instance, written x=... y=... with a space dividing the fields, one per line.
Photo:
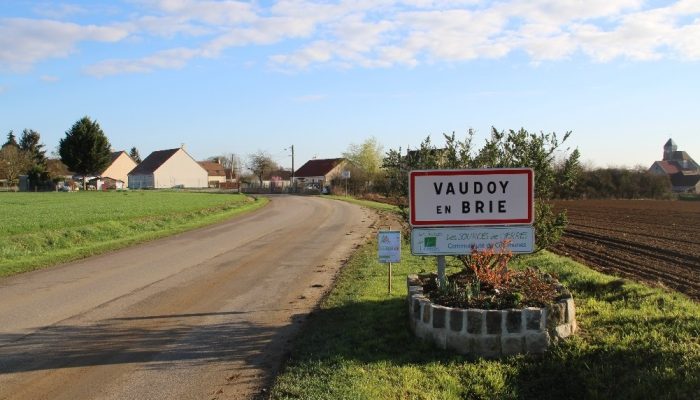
x=153 y=162
x=56 y=167
x=669 y=167
x=115 y=155
x=670 y=143
x=213 y=168
x=684 y=180
x=680 y=156
x=320 y=167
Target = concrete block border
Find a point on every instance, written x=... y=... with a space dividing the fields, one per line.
x=490 y=333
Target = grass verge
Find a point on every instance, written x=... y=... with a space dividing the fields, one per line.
x=43 y=229
x=634 y=342
x=365 y=203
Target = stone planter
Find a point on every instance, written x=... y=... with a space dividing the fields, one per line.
x=490 y=333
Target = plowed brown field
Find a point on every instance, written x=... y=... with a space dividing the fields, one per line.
x=652 y=241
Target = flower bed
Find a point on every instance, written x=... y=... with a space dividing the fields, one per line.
x=490 y=333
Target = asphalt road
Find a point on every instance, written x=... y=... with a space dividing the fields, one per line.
x=207 y=314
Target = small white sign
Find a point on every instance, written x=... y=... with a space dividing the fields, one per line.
x=389 y=246
x=472 y=197
x=346 y=174
x=461 y=241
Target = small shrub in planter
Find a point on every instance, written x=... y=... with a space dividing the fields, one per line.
x=486 y=282
x=489 y=310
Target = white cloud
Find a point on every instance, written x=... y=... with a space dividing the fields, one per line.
x=57 y=11
x=369 y=33
x=210 y=12
x=169 y=27
x=166 y=59
x=310 y=98
x=24 y=42
x=49 y=78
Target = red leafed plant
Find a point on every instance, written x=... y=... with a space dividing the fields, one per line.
x=489 y=266
x=487 y=282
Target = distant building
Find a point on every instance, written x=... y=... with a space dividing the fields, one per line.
x=683 y=171
x=171 y=168
x=115 y=176
x=215 y=171
x=319 y=173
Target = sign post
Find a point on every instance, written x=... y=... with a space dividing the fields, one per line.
x=389 y=243
x=346 y=177
x=463 y=208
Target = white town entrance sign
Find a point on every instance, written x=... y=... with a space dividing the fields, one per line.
x=472 y=197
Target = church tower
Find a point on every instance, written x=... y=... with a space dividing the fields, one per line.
x=669 y=148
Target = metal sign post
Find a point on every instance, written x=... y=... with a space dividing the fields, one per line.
x=346 y=177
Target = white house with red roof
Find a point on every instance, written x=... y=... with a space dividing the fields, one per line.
x=215 y=171
x=319 y=172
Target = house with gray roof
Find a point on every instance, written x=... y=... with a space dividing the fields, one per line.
x=173 y=168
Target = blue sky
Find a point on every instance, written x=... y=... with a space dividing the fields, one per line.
x=238 y=76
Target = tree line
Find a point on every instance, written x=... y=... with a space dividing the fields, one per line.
x=84 y=150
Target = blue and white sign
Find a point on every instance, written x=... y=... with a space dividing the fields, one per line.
x=389 y=246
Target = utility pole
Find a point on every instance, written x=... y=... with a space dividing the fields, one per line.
x=294 y=186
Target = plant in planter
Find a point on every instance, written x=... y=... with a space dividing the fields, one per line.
x=487 y=282
x=490 y=310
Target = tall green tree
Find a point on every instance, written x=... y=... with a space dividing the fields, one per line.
x=366 y=159
x=85 y=149
x=29 y=143
x=569 y=177
x=11 y=140
x=134 y=154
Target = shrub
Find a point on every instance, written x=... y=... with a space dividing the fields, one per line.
x=510 y=149
x=486 y=282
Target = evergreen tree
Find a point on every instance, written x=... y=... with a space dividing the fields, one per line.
x=11 y=141
x=85 y=149
x=134 y=154
x=29 y=142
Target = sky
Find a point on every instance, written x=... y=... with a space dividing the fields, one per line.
x=246 y=76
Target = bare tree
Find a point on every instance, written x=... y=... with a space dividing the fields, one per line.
x=261 y=164
x=13 y=163
x=230 y=162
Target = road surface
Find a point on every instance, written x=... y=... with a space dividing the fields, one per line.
x=207 y=314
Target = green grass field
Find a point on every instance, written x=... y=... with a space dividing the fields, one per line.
x=41 y=229
x=635 y=342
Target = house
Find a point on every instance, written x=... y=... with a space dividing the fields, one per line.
x=319 y=173
x=215 y=171
x=167 y=169
x=115 y=176
x=683 y=171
